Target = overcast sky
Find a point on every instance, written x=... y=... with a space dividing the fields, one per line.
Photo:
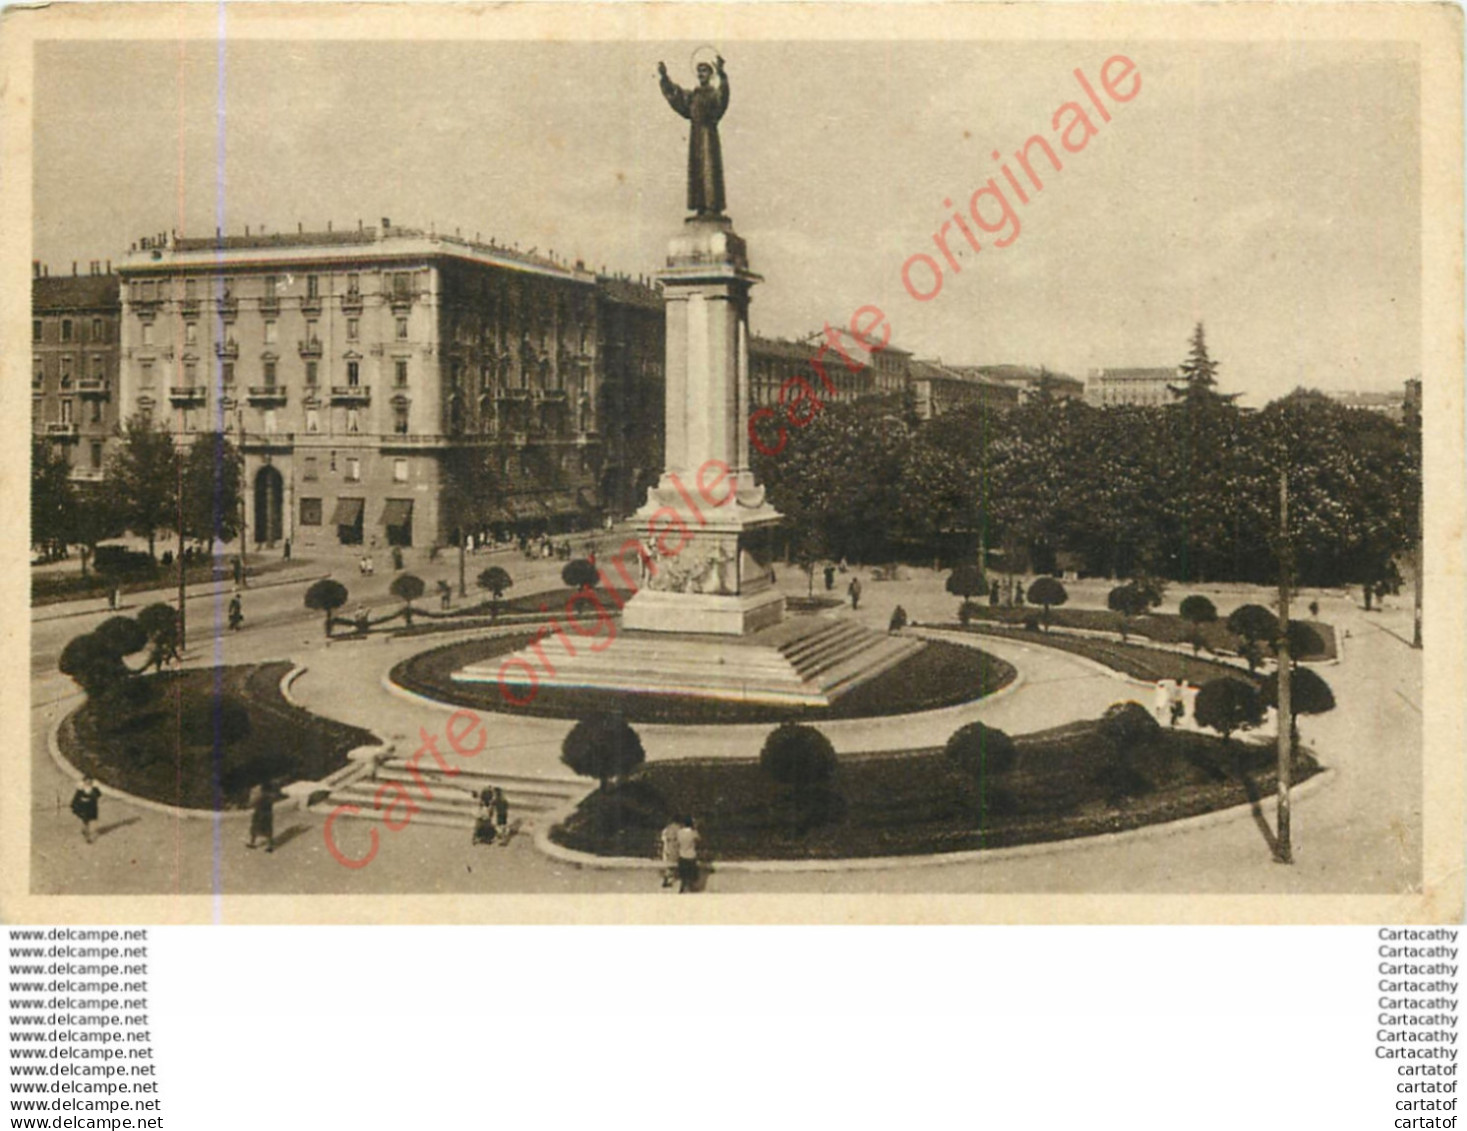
x=1269 y=191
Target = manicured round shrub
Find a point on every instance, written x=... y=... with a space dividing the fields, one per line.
x=326 y=596
x=797 y=755
x=159 y=621
x=966 y=581
x=1308 y=695
x=1304 y=640
x=1253 y=623
x=982 y=751
x=602 y=746
x=1228 y=705
x=1198 y=609
x=122 y=636
x=1048 y=592
x=407 y=587
x=579 y=573
x=1128 y=725
x=93 y=665
x=495 y=580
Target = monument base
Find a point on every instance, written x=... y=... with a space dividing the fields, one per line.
x=703 y=613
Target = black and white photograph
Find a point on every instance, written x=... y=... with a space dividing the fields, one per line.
x=716 y=465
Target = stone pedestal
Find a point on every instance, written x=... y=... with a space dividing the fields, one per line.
x=706 y=526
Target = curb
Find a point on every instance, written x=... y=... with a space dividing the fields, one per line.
x=1178 y=827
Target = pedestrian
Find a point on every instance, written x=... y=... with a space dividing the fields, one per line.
x=262 y=815
x=287 y=549
x=854 y=589
x=445 y=594
x=363 y=622
x=1161 y=702
x=236 y=613
x=501 y=816
x=993 y=597
x=112 y=595
x=1176 y=706
x=669 y=851
x=237 y=567
x=829 y=577
x=84 y=805
x=484 y=818
x=687 y=857
x=898 y=620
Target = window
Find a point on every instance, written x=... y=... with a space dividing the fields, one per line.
x=227 y=373
x=38 y=330
x=402 y=329
x=353 y=374
x=271 y=283
x=96 y=453
x=353 y=284
x=269 y=375
x=190 y=374
x=190 y=333
x=313 y=286
x=311 y=373
x=270 y=422
x=399 y=471
x=402 y=284
x=147 y=333
x=353 y=420
x=310 y=512
x=66 y=411
x=311 y=473
x=190 y=420
x=96 y=412
x=149 y=291
x=66 y=329
x=313 y=420
x=99 y=366
x=333 y=461
x=353 y=328
x=147 y=374
x=38 y=372
x=190 y=288
x=400 y=419
x=270 y=331
x=401 y=373
x=65 y=370
x=353 y=470
x=313 y=331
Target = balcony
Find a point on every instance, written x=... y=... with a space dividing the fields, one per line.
x=228 y=307
x=187 y=394
x=86 y=475
x=352 y=300
x=267 y=394
x=146 y=307
x=309 y=347
x=270 y=304
x=63 y=429
x=351 y=394
x=400 y=301
x=188 y=305
x=550 y=396
x=228 y=348
x=512 y=394
x=311 y=304
x=415 y=440
x=92 y=386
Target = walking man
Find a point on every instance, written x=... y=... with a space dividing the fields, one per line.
x=84 y=805
x=236 y=613
x=262 y=819
x=501 y=817
x=687 y=857
x=669 y=851
x=854 y=589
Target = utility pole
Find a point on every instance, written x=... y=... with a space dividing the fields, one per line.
x=243 y=530
x=182 y=577
x=462 y=591
x=1284 y=852
x=1420 y=570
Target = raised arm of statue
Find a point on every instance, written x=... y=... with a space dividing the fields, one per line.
x=722 y=88
x=676 y=96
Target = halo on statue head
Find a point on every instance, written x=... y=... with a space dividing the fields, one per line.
x=706 y=53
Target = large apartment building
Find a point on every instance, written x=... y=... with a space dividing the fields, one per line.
x=387 y=386
x=74 y=365
x=1107 y=387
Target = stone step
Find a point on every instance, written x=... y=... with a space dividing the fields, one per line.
x=831 y=649
x=867 y=666
x=521 y=796
x=817 y=638
x=566 y=784
x=445 y=801
x=869 y=644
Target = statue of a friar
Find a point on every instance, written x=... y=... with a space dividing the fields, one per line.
x=702 y=106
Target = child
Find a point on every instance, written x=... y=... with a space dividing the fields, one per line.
x=84 y=805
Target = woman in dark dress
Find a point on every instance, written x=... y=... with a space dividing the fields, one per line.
x=262 y=819
x=84 y=805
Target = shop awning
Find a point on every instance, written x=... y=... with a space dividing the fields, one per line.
x=348 y=512
x=397 y=512
x=560 y=502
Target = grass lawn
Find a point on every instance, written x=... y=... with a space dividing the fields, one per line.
x=156 y=739
x=1067 y=784
x=1136 y=660
x=938 y=676
x=1164 y=628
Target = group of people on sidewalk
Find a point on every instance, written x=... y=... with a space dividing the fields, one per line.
x=680 y=845
x=491 y=823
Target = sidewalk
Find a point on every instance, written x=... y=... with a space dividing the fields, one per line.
x=86 y=606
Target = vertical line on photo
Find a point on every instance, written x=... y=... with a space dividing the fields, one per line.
x=219 y=219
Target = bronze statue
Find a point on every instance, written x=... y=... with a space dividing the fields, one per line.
x=703 y=106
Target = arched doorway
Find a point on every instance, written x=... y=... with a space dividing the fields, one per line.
x=269 y=506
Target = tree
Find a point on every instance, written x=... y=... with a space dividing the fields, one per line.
x=495 y=580
x=602 y=746
x=1228 y=705
x=801 y=759
x=121 y=635
x=160 y=622
x=212 y=479
x=96 y=516
x=1047 y=591
x=580 y=574
x=1257 y=626
x=53 y=499
x=1308 y=695
x=144 y=474
x=1197 y=610
x=92 y=664
x=1129 y=601
x=326 y=596
x=407 y=588
x=1304 y=640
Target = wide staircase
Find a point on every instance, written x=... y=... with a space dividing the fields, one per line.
x=455 y=801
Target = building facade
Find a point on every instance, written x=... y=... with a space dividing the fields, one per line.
x=1107 y=387
x=387 y=386
x=74 y=365
x=938 y=389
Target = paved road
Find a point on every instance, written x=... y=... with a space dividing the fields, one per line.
x=1360 y=832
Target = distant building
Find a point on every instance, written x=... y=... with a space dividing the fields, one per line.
x=1109 y=387
x=1392 y=404
x=74 y=365
x=1029 y=380
x=633 y=334
x=938 y=389
x=390 y=386
x=850 y=375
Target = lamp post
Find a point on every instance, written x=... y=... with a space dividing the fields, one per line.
x=243 y=565
x=1284 y=852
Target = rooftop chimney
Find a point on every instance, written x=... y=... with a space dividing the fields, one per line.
x=35 y=268
x=386 y=223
